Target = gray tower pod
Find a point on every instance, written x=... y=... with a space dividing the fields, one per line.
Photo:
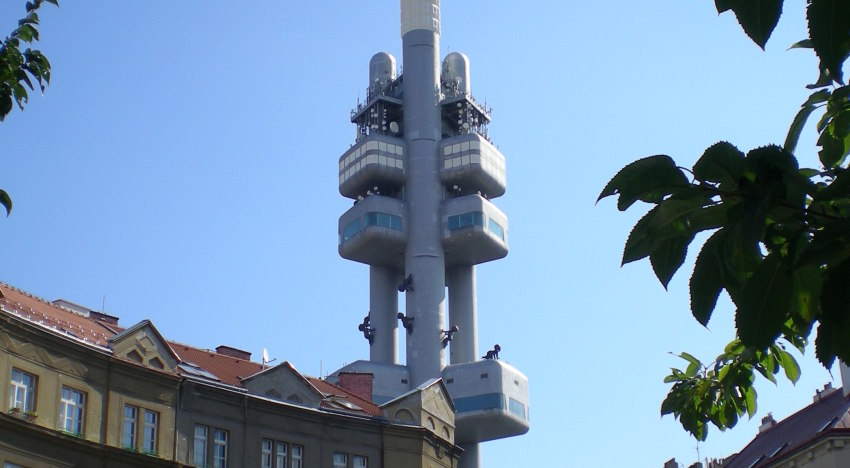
x=381 y=70
x=456 y=70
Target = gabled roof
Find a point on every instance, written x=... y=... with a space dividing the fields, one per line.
x=828 y=414
x=424 y=385
x=144 y=324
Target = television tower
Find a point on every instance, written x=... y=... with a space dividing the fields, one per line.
x=422 y=172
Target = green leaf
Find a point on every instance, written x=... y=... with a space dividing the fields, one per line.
x=833 y=152
x=766 y=374
x=723 y=5
x=835 y=295
x=668 y=258
x=694 y=365
x=723 y=163
x=758 y=18
x=764 y=303
x=708 y=278
x=802 y=116
x=829 y=29
x=803 y=44
x=649 y=178
x=789 y=364
x=805 y=292
x=6 y=201
x=640 y=242
x=750 y=400
x=671 y=234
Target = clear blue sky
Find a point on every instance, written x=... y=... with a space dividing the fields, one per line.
x=183 y=166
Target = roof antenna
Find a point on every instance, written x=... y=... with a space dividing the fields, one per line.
x=103 y=305
x=266 y=359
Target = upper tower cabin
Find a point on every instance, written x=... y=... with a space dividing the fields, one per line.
x=372 y=171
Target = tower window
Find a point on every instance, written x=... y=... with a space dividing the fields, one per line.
x=376 y=218
x=473 y=218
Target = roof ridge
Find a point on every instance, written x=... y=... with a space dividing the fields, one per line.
x=28 y=294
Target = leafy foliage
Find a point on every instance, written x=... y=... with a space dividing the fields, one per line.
x=18 y=70
x=780 y=234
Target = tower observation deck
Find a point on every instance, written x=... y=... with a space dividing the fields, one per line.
x=422 y=174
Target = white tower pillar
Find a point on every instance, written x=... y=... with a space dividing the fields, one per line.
x=424 y=258
x=383 y=307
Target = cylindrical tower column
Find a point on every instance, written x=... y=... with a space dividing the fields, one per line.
x=423 y=192
x=463 y=312
x=471 y=457
x=383 y=307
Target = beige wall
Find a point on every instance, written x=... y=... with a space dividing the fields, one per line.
x=828 y=452
x=57 y=361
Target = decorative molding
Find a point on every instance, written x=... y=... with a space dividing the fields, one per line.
x=42 y=356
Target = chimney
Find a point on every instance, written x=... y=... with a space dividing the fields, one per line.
x=767 y=422
x=105 y=318
x=845 y=377
x=233 y=352
x=671 y=463
x=820 y=394
x=358 y=383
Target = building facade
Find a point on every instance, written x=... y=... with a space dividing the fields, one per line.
x=81 y=391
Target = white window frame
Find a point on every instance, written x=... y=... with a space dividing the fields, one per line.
x=200 y=441
x=150 y=432
x=23 y=387
x=280 y=455
x=72 y=410
x=297 y=455
x=130 y=427
x=266 y=452
x=220 y=443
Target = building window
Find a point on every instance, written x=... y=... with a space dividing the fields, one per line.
x=360 y=461
x=149 y=436
x=267 y=450
x=131 y=421
x=72 y=410
x=340 y=460
x=220 y=449
x=274 y=454
x=280 y=456
x=297 y=456
x=199 y=448
x=22 y=391
x=149 y=426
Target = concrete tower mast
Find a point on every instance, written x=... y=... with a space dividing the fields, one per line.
x=421 y=173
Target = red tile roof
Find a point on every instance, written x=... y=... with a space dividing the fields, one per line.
x=228 y=369
x=40 y=311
